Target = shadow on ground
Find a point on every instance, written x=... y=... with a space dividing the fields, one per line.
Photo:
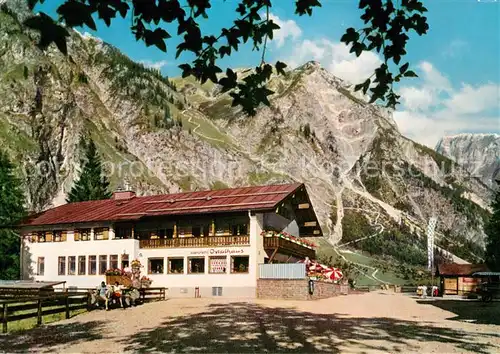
x=474 y=311
x=244 y=327
x=41 y=339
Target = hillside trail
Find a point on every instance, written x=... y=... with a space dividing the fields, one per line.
x=190 y=115
x=396 y=214
x=380 y=228
x=255 y=159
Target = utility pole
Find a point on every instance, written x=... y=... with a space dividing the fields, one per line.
x=430 y=246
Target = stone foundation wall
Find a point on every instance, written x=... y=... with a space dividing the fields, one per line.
x=297 y=289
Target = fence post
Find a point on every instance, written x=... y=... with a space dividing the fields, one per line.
x=4 y=319
x=89 y=300
x=67 y=306
x=39 y=313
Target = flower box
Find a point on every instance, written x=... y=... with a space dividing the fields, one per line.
x=121 y=279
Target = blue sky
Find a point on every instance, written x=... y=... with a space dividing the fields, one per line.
x=458 y=61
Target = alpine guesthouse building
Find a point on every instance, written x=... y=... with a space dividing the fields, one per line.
x=208 y=242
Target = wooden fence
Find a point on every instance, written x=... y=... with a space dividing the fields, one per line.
x=31 y=307
x=21 y=305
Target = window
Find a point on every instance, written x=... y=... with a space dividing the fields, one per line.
x=240 y=229
x=216 y=291
x=40 y=266
x=239 y=264
x=101 y=233
x=103 y=264
x=124 y=261
x=175 y=265
x=196 y=265
x=71 y=265
x=155 y=266
x=196 y=231
x=92 y=265
x=81 y=265
x=41 y=236
x=217 y=264
x=61 y=266
x=59 y=236
x=123 y=232
x=113 y=261
x=82 y=235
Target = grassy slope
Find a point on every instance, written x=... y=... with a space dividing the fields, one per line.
x=325 y=250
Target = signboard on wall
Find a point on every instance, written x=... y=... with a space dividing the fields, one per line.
x=471 y=280
x=218 y=251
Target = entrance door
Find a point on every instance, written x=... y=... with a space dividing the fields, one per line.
x=451 y=286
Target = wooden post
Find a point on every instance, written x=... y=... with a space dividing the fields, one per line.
x=4 y=319
x=67 y=306
x=175 y=230
x=89 y=299
x=213 y=227
x=39 y=313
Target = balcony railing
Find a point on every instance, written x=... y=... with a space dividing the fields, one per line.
x=289 y=247
x=193 y=242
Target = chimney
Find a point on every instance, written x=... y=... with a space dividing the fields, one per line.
x=121 y=194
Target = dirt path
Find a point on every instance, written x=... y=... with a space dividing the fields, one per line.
x=372 y=322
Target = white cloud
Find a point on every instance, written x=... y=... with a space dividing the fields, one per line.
x=435 y=108
x=455 y=48
x=416 y=99
x=154 y=64
x=471 y=99
x=336 y=58
x=428 y=128
x=288 y=28
x=433 y=79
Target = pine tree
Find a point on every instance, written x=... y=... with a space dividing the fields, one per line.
x=492 y=230
x=11 y=212
x=91 y=185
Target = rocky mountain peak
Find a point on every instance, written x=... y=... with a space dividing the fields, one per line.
x=478 y=153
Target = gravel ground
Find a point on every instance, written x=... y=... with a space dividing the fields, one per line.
x=371 y=322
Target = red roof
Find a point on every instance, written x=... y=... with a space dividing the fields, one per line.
x=461 y=269
x=224 y=200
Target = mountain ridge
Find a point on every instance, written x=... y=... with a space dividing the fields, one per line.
x=478 y=153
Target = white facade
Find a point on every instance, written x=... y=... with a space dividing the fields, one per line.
x=181 y=284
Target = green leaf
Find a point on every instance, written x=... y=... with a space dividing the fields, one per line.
x=410 y=73
x=403 y=68
x=280 y=67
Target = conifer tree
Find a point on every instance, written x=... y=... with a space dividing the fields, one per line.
x=11 y=212
x=92 y=184
x=492 y=230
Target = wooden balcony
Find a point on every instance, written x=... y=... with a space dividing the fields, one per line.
x=195 y=242
x=288 y=247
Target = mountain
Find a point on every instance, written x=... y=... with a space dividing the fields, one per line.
x=478 y=153
x=366 y=180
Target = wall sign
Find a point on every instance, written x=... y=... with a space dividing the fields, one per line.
x=219 y=251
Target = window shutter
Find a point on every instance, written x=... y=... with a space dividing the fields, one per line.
x=105 y=234
x=63 y=235
x=48 y=236
x=77 y=235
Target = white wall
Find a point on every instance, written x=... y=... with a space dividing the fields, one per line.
x=52 y=250
x=206 y=279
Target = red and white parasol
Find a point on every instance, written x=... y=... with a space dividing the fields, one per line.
x=333 y=274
